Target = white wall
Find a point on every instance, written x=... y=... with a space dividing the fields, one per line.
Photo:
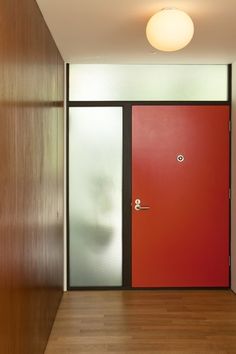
x=233 y=194
x=65 y=204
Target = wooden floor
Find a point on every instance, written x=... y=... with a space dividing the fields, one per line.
x=145 y=322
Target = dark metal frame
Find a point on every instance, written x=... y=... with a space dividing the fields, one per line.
x=127 y=180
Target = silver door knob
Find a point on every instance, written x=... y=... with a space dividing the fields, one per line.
x=138 y=205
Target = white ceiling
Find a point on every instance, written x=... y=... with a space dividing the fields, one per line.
x=113 y=31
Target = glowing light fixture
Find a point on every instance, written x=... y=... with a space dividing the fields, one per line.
x=170 y=29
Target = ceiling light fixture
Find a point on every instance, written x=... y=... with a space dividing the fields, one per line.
x=170 y=29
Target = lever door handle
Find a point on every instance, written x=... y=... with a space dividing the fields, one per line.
x=138 y=205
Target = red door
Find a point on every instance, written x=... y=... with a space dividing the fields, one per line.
x=180 y=169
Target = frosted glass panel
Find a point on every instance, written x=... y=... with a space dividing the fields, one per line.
x=148 y=82
x=95 y=196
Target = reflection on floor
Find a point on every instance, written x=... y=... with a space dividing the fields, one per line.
x=183 y=321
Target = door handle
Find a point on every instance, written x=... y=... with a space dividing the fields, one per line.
x=138 y=205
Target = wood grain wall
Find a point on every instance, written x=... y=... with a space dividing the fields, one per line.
x=31 y=178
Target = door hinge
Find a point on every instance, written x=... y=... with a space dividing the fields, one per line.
x=229 y=193
x=230 y=126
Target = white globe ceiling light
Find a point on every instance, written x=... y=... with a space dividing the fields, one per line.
x=169 y=30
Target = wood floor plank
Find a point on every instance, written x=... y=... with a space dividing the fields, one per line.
x=162 y=321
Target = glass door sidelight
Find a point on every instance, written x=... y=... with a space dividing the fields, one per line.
x=95 y=196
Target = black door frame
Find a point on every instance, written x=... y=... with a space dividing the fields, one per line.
x=127 y=179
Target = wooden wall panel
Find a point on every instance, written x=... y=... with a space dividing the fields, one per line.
x=31 y=178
